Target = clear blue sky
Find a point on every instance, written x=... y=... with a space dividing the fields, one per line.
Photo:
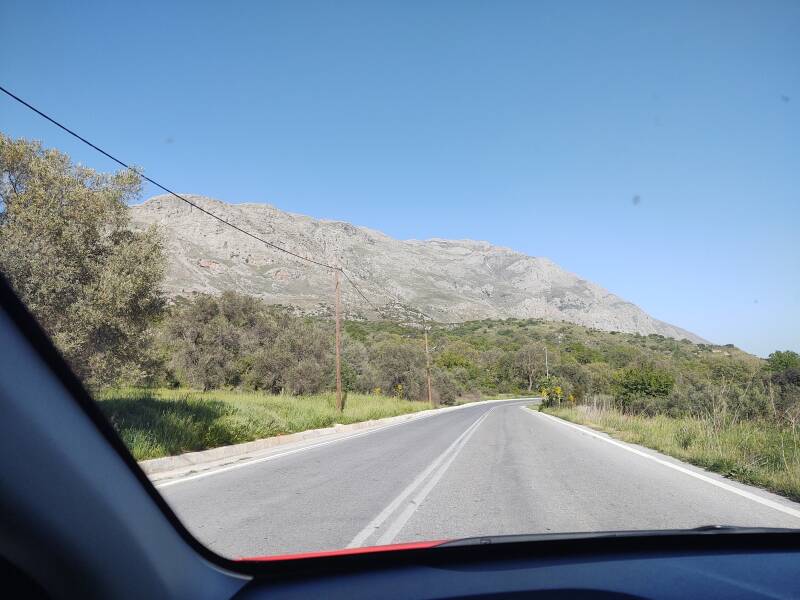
x=529 y=124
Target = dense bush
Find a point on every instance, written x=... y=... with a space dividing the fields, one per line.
x=67 y=249
x=238 y=341
x=638 y=374
x=399 y=367
x=640 y=388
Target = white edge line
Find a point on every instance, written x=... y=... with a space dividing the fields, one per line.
x=720 y=484
x=247 y=463
x=255 y=461
x=381 y=517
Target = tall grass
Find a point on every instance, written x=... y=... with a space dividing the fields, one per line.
x=163 y=422
x=755 y=452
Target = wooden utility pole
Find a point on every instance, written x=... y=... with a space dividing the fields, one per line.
x=428 y=368
x=339 y=398
x=546 y=366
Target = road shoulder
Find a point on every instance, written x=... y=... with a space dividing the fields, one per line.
x=752 y=493
x=168 y=469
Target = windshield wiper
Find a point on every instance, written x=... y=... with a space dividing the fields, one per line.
x=703 y=529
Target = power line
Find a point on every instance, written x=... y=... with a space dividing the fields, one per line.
x=336 y=269
x=200 y=208
x=357 y=289
x=169 y=191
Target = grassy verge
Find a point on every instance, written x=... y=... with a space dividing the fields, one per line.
x=164 y=422
x=757 y=453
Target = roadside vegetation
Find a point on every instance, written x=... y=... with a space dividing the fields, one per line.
x=759 y=452
x=163 y=422
x=736 y=417
x=66 y=248
x=94 y=284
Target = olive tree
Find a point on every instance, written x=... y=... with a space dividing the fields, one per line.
x=67 y=249
x=233 y=340
x=400 y=366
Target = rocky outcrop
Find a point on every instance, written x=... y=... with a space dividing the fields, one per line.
x=450 y=280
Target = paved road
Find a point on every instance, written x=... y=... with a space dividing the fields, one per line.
x=484 y=469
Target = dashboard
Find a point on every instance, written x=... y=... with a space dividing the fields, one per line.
x=688 y=566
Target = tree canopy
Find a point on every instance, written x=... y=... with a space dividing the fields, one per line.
x=67 y=249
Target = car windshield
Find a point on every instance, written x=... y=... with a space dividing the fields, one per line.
x=346 y=275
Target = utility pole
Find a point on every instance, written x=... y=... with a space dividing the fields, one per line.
x=428 y=368
x=339 y=399
x=546 y=365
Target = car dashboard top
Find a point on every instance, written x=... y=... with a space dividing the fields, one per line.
x=699 y=564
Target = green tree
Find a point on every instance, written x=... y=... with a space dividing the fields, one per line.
x=780 y=360
x=400 y=366
x=445 y=388
x=457 y=354
x=233 y=340
x=643 y=382
x=67 y=248
x=530 y=361
x=581 y=353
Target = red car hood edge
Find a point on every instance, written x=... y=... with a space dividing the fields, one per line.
x=346 y=551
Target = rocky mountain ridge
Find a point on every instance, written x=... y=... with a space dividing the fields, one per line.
x=449 y=280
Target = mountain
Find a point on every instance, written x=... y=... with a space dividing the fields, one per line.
x=449 y=280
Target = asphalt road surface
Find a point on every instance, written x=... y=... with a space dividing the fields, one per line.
x=481 y=470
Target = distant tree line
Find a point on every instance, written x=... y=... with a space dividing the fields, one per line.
x=233 y=340
x=67 y=248
x=238 y=341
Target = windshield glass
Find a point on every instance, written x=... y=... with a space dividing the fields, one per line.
x=355 y=274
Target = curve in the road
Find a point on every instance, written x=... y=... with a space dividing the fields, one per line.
x=482 y=470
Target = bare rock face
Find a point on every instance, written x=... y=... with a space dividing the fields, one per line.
x=449 y=280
